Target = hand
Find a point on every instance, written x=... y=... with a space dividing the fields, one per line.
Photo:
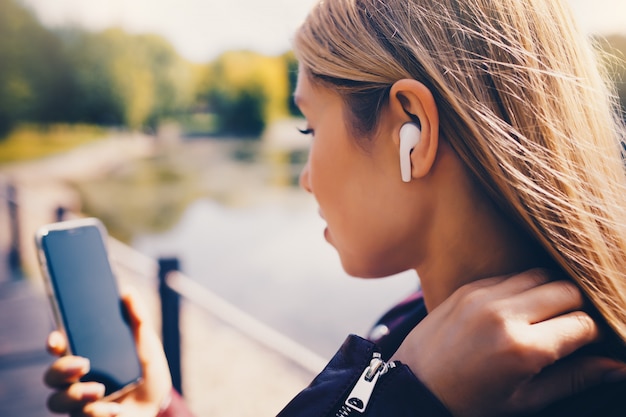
x=86 y=398
x=496 y=346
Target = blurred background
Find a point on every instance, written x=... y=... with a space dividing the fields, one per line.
x=172 y=121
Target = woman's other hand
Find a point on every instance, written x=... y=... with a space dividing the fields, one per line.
x=496 y=346
x=86 y=398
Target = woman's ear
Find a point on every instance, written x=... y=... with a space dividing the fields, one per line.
x=410 y=101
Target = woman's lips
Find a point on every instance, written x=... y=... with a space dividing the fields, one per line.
x=326 y=232
x=327 y=235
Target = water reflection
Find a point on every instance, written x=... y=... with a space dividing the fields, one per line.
x=271 y=260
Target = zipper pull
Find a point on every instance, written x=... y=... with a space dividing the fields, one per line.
x=362 y=392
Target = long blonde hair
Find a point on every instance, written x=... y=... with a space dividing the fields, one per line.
x=522 y=100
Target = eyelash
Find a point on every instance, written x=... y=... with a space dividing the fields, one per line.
x=307 y=131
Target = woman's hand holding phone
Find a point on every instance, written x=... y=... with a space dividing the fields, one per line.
x=85 y=398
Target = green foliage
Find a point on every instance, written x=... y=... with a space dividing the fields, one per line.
x=113 y=78
x=246 y=91
x=120 y=79
x=32 y=69
x=291 y=64
x=95 y=96
x=239 y=113
x=71 y=75
x=174 y=79
x=136 y=81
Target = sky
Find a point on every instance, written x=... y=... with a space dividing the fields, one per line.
x=202 y=29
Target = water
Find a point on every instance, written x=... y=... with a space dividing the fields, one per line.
x=270 y=259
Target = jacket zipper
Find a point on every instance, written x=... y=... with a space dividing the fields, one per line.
x=359 y=397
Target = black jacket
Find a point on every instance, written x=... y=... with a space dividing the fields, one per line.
x=342 y=389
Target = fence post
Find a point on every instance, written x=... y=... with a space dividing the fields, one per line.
x=170 y=312
x=59 y=213
x=15 y=262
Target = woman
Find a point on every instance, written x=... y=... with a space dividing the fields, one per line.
x=514 y=158
x=464 y=139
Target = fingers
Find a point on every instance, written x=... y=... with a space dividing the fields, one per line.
x=522 y=282
x=157 y=380
x=56 y=343
x=102 y=409
x=143 y=333
x=549 y=300
x=533 y=297
x=137 y=312
x=65 y=371
x=570 y=377
x=75 y=397
x=565 y=334
x=64 y=374
x=555 y=324
x=554 y=311
x=504 y=286
x=147 y=339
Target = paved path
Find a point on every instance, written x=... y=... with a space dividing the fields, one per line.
x=24 y=325
x=221 y=364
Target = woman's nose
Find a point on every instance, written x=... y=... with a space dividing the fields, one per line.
x=304 y=178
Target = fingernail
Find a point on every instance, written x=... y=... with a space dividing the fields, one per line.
x=53 y=341
x=114 y=409
x=79 y=364
x=104 y=409
x=92 y=391
x=615 y=376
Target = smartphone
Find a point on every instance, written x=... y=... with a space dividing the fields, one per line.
x=86 y=302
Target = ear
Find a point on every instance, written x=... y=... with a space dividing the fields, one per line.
x=412 y=101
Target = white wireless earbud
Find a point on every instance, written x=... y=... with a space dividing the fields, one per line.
x=410 y=136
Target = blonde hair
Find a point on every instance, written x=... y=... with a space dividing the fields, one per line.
x=522 y=101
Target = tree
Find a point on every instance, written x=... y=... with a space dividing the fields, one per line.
x=173 y=77
x=125 y=80
x=291 y=64
x=246 y=91
x=33 y=71
x=95 y=94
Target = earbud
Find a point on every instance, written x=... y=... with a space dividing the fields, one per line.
x=410 y=136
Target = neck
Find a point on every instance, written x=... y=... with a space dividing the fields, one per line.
x=470 y=239
x=458 y=259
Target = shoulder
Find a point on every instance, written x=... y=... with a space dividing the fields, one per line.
x=391 y=329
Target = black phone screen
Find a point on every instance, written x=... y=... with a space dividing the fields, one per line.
x=90 y=306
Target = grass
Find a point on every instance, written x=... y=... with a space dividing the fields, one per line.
x=29 y=141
